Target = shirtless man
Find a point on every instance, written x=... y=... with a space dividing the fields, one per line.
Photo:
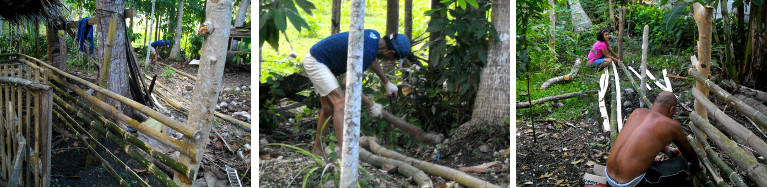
x=647 y=132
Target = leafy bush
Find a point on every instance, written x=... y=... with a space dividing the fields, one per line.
x=196 y=42
x=679 y=32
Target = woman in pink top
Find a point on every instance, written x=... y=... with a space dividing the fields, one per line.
x=600 y=54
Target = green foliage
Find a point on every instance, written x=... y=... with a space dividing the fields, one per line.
x=273 y=19
x=527 y=11
x=168 y=73
x=196 y=42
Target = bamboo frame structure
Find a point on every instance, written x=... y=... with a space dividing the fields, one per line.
x=642 y=94
x=115 y=134
x=743 y=159
x=713 y=156
x=706 y=162
x=180 y=127
x=731 y=126
x=744 y=108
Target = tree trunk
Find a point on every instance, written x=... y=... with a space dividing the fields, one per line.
x=611 y=20
x=148 y=38
x=392 y=16
x=621 y=25
x=643 y=78
x=146 y=29
x=335 y=20
x=205 y=94
x=118 y=69
x=353 y=100
x=57 y=56
x=744 y=161
x=702 y=17
x=176 y=50
x=741 y=13
x=434 y=54
x=553 y=20
x=409 y=19
x=551 y=98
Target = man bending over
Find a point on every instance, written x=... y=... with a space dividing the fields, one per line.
x=647 y=132
x=327 y=59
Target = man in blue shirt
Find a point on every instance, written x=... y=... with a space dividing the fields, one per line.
x=155 y=47
x=327 y=59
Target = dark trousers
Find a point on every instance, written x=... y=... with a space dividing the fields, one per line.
x=674 y=172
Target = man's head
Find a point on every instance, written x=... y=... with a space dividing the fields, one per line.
x=665 y=103
x=393 y=47
x=166 y=42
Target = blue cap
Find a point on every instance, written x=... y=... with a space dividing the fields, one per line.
x=401 y=45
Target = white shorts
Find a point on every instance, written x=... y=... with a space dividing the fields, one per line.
x=151 y=50
x=324 y=81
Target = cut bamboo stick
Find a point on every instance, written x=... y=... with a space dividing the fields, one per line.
x=618 y=102
x=643 y=66
x=445 y=172
x=731 y=126
x=115 y=130
x=642 y=95
x=182 y=147
x=603 y=87
x=726 y=170
x=15 y=178
x=104 y=163
x=744 y=160
x=640 y=77
x=668 y=82
x=72 y=123
x=553 y=98
x=180 y=127
x=748 y=111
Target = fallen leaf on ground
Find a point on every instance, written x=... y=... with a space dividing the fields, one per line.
x=559 y=182
x=265 y=156
x=576 y=162
x=523 y=167
x=479 y=168
x=546 y=175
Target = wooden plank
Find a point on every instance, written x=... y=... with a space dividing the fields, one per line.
x=27 y=119
x=45 y=139
x=15 y=178
x=2 y=122
x=36 y=149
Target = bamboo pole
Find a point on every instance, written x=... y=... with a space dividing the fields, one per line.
x=93 y=151
x=613 y=116
x=27 y=123
x=104 y=74
x=568 y=76
x=182 y=147
x=403 y=168
x=603 y=87
x=442 y=171
x=640 y=76
x=71 y=121
x=180 y=127
x=667 y=81
x=726 y=170
x=165 y=159
x=553 y=98
x=743 y=159
x=731 y=126
x=154 y=170
x=179 y=71
x=706 y=162
x=747 y=110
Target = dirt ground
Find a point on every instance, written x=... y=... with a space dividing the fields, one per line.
x=68 y=153
x=563 y=150
x=282 y=166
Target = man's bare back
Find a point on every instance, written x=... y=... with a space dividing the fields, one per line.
x=645 y=133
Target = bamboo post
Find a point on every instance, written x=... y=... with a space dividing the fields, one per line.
x=743 y=159
x=726 y=170
x=44 y=138
x=744 y=108
x=613 y=117
x=702 y=17
x=442 y=171
x=129 y=149
x=731 y=126
x=70 y=122
x=182 y=147
x=104 y=74
x=645 y=46
x=642 y=95
x=104 y=163
x=180 y=127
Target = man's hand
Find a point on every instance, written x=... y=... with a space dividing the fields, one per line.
x=376 y=111
x=391 y=90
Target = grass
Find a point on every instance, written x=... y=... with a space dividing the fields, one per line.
x=276 y=62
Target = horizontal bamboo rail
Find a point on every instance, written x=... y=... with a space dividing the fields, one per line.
x=747 y=110
x=115 y=130
x=743 y=160
x=180 y=127
x=71 y=121
x=23 y=82
x=180 y=146
x=726 y=170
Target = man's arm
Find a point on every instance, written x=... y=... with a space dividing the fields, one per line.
x=379 y=72
x=684 y=146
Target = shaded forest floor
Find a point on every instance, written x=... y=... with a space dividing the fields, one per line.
x=68 y=153
x=282 y=166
